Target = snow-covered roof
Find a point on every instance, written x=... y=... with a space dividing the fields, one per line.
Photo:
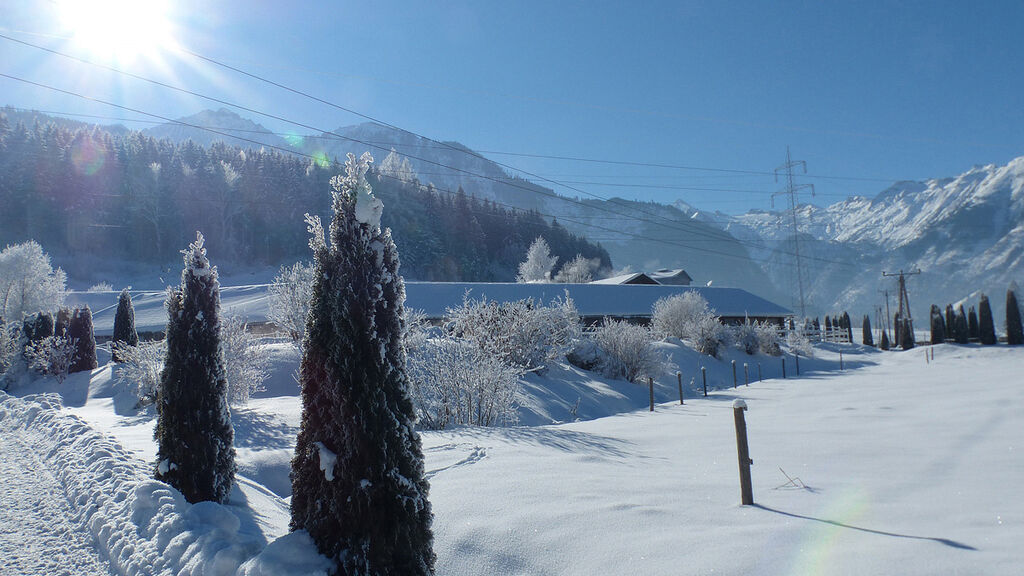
x=634 y=278
x=666 y=276
x=629 y=300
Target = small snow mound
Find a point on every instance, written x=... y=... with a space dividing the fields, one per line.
x=293 y=554
x=739 y=403
x=327 y=460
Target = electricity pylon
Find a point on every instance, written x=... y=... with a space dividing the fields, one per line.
x=791 y=192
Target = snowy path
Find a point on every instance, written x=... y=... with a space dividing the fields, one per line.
x=36 y=534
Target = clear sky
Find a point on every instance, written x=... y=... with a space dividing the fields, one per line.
x=880 y=91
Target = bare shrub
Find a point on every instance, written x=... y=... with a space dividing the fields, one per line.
x=688 y=317
x=627 y=351
x=245 y=366
x=289 y=297
x=140 y=368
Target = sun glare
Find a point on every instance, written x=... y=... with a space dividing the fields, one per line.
x=122 y=30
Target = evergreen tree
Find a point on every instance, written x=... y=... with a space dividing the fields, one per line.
x=907 y=334
x=897 y=326
x=866 y=337
x=63 y=321
x=973 y=332
x=961 y=332
x=42 y=327
x=885 y=340
x=124 y=324
x=828 y=324
x=538 y=264
x=81 y=333
x=986 y=326
x=950 y=317
x=938 y=326
x=845 y=323
x=195 y=451
x=1014 y=329
x=358 y=484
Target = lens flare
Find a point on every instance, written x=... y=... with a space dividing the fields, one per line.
x=321 y=159
x=87 y=157
x=118 y=29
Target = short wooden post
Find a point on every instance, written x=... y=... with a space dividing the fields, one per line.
x=797 y=364
x=704 y=376
x=733 y=373
x=840 y=360
x=926 y=359
x=758 y=371
x=783 y=367
x=746 y=375
x=933 y=353
x=743 y=451
x=679 y=377
x=650 y=385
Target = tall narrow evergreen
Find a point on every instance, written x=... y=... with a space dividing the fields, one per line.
x=62 y=322
x=885 y=340
x=866 y=337
x=950 y=318
x=844 y=321
x=1014 y=329
x=986 y=326
x=961 y=333
x=358 y=484
x=907 y=340
x=973 y=332
x=195 y=441
x=124 y=324
x=938 y=326
x=80 y=331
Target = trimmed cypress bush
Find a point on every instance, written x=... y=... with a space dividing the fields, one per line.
x=358 y=484
x=866 y=337
x=124 y=324
x=81 y=333
x=938 y=325
x=950 y=318
x=1014 y=329
x=844 y=321
x=195 y=441
x=885 y=340
x=973 y=332
x=986 y=326
x=907 y=340
x=42 y=327
x=961 y=333
x=63 y=321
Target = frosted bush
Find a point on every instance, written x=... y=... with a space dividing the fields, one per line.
x=245 y=366
x=627 y=351
x=455 y=382
x=521 y=333
x=289 y=297
x=8 y=346
x=101 y=287
x=140 y=369
x=745 y=337
x=688 y=317
x=538 y=264
x=28 y=283
x=417 y=329
x=768 y=338
x=52 y=356
x=799 y=343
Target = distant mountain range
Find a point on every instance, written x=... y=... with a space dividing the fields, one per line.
x=965 y=234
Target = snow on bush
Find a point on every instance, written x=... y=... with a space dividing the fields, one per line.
x=140 y=525
x=101 y=287
x=456 y=382
x=140 y=369
x=52 y=356
x=688 y=317
x=745 y=337
x=522 y=333
x=579 y=270
x=8 y=346
x=768 y=338
x=28 y=283
x=245 y=365
x=627 y=351
x=538 y=264
x=289 y=296
x=799 y=343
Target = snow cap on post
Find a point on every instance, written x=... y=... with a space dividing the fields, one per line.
x=739 y=403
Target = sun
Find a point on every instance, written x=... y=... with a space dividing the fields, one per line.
x=122 y=30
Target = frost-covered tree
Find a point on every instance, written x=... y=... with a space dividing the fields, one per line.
x=140 y=369
x=938 y=325
x=289 y=299
x=627 y=351
x=53 y=356
x=245 y=365
x=358 y=483
x=746 y=338
x=973 y=331
x=1014 y=329
x=124 y=325
x=986 y=325
x=867 y=338
x=28 y=283
x=8 y=347
x=539 y=263
x=687 y=316
x=195 y=440
x=579 y=270
x=81 y=333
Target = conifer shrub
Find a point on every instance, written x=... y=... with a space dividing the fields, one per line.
x=195 y=440
x=81 y=333
x=986 y=326
x=938 y=325
x=961 y=332
x=950 y=318
x=358 y=483
x=884 y=345
x=1014 y=329
x=124 y=326
x=867 y=338
x=62 y=322
x=973 y=331
x=844 y=321
x=907 y=340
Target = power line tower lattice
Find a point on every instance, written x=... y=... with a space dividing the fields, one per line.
x=791 y=190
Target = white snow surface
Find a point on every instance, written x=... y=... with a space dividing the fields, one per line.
x=895 y=465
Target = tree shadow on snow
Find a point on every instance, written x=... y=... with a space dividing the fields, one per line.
x=943 y=541
x=257 y=430
x=565 y=440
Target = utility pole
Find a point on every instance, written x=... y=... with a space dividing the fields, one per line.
x=904 y=306
x=791 y=192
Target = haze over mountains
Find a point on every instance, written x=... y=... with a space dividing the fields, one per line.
x=965 y=233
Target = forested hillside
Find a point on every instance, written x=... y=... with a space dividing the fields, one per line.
x=86 y=191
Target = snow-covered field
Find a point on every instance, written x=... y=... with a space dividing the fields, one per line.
x=900 y=467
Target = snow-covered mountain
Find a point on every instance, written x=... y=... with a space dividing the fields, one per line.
x=965 y=234
x=223 y=121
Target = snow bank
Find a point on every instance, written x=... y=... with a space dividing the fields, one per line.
x=143 y=526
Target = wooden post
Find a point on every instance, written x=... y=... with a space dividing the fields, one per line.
x=733 y=373
x=679 y=377
x=650 y=385
x=704 y=376
x=783 y=367
x=840 y=360
x=758 y=371
x=926 y=360
x=797 y=364
x=746 y=375
x=743 y=452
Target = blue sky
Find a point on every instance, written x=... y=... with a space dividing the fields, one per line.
x=874 y=90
